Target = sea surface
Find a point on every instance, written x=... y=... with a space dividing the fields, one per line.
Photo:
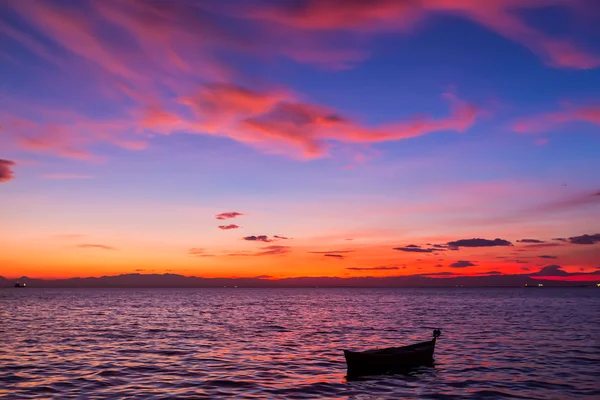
x=287 y=343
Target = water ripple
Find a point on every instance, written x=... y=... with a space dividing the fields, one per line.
x=287 y=343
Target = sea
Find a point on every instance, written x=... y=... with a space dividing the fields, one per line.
x=242 y=343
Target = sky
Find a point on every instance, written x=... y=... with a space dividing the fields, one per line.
x=299 y=138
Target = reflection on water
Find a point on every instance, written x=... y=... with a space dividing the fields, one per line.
x=287 y=343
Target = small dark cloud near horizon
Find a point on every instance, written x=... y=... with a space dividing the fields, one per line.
x=478 y=242
x=560 y=239
x=6 y=172
x=490 y=273
x=264 y=277
x=415 y=249
x=259 y=238
x=551 y=270
x=228 y=227
x=530 y=241
x=95 y=246
x=372 y=268
x=330 y=251
x=228 y=215
x=585 y=239
x=280 y=237
x=439 y=266
x=462 y=264
x=334 y=255
x=546 y=256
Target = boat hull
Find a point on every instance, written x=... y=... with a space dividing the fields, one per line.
x=375 y=362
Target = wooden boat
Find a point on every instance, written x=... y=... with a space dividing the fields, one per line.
x=380 y=361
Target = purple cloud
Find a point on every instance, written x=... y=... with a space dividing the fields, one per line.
x=585 y=239
x=228 y=215
x=227 y=227
x=259 y=238
x=6 y=172
x=462 y=264
x=477 y=242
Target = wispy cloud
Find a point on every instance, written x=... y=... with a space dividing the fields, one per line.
x=500 y=16
x=95 y=246
x=334 y=255
x=199 y=252
x=372 y=268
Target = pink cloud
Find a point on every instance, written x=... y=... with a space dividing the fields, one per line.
x=69 y=134
x=549 y=121
x=500 y=16
x=228 y=215
x=228 y=227
x=278 y=121
x=6 y=173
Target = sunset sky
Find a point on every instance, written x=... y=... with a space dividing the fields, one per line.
x=299 y=138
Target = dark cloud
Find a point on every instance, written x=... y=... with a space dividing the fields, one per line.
x=439 y=266
x=551 y=270
x=462 y=264
x=372 y=268
x=530 y=241
x=585 y=239
x=259 y=238
x=477 y=242
x=334 y=255
x=280 y=237
x=264 y=277
x=330 y=251
x=548 y=256
x=95 y=246
x=6 y=172
x=491 y=273
x=414 y=249
x=228 y=215
x=561 y=239
x=227 y=227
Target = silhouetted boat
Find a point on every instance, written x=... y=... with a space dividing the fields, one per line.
x=379 y=361
x=18 y=284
